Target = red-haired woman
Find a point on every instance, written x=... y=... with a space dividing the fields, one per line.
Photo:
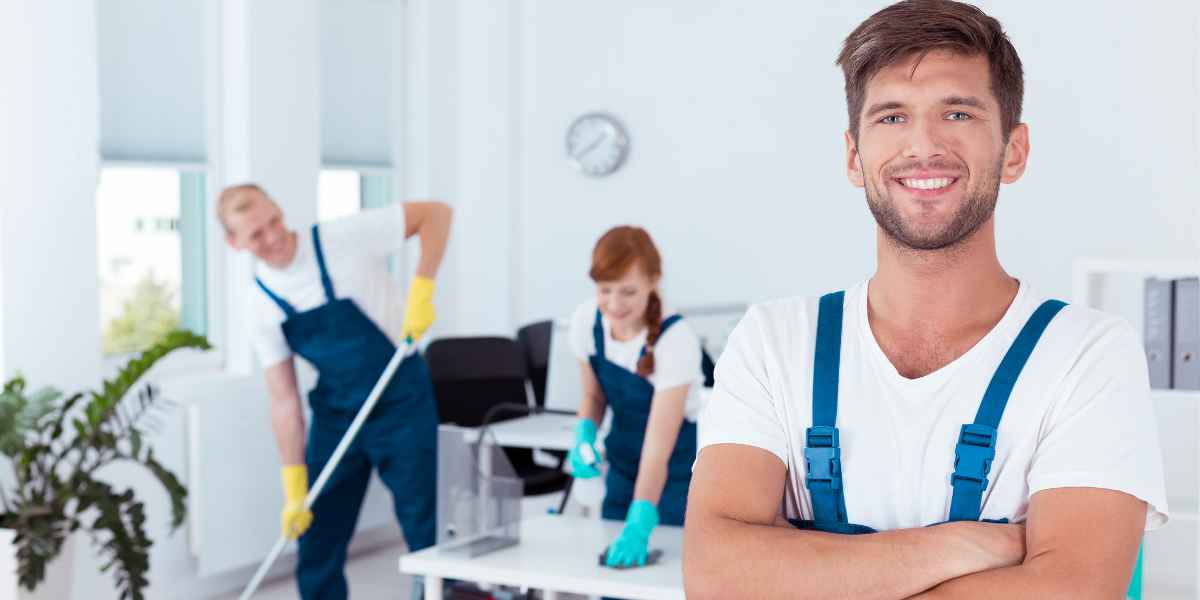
x=647 y=369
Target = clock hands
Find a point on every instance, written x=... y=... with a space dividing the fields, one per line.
x=588 y=148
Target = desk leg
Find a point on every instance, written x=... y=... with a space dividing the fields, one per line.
x=433 y=588
x=562 y=506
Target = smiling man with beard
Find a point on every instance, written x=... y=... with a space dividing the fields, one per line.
x=942 y=429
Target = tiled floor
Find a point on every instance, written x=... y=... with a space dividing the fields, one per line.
x=372 y=576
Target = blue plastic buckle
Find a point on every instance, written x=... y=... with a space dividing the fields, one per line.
x=973 y=456
x=823 y=457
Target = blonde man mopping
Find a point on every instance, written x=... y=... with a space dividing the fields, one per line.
x=327 y=296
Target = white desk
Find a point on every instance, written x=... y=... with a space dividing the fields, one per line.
x=547 y=431
x=559 y=554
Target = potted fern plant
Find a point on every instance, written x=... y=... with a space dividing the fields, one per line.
x=55 y=445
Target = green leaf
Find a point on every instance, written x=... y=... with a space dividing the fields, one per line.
x=125 y=547
x=16 y=385
x=55 y=492
x=175 y=489
x=94 y=412
x=28 y=455
x=40 y=539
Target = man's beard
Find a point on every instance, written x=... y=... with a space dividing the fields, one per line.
x=976 y=209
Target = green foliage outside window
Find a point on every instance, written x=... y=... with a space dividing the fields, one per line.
x=147 y=317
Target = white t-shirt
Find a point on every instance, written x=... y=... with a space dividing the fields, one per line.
x=676 y=355
x=356 y=250
x=1080 y=414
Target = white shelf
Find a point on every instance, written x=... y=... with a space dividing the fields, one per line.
x=1161 y=268
x=1086 y=268
x=1166 y=268
x=1173 y=552
x=1162 y=592
x=1175 y=395
x=1187 y=513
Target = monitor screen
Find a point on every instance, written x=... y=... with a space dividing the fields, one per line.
x=563 y=385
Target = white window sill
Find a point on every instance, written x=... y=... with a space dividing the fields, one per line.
x=185 y=364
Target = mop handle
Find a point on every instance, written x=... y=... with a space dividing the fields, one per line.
x=333 y=461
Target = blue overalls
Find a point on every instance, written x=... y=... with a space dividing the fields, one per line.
x=629 y=395
x=973 y=454
x=399 y=439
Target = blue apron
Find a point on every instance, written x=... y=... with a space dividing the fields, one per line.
x=629 y=395
x=399 y=438
x=973 y=454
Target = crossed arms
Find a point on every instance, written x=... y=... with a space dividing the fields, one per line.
x=1076 y=543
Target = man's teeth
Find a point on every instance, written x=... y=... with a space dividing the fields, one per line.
x=927 y=184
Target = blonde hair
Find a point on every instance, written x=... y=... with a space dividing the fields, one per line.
x=235 y=199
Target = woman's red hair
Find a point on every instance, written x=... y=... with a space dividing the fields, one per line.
x=617 y=251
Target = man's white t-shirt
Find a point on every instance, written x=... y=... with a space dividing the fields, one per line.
x=676 y=355
x=1080 y=414
x=356 y=250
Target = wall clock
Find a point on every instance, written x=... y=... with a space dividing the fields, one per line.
x=597 y=144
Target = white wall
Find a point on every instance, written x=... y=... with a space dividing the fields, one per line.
x=479 y=138
x=1115 y=160
x=49 y=151
x=736 y=115
x=48 y=148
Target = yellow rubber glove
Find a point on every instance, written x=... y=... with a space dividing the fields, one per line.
x=296 y=518
x=419 y=313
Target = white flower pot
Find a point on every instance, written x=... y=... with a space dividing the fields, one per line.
x=56 y=585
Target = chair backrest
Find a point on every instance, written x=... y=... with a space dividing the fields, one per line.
x=535 y=344
x=472 y=374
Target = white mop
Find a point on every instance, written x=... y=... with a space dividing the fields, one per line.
x=332 y=464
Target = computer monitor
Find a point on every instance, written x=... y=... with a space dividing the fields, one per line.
x=563 y=385
x=713 y=323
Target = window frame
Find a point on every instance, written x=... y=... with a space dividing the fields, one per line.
x=199 y=241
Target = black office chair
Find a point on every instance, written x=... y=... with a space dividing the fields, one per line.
x=535 y=345
x=476 y=378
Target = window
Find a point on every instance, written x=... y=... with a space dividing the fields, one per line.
x=339 y=193
x=342 y=192
x=151 y=250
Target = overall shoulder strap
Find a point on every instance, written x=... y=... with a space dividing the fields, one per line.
x=827 y=359
x=666 y=324
x=976 y=447
x=822 y=452
x=326 y=282
x=288 y=309
x=598 y=334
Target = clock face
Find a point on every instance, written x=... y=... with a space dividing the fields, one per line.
x=597 y=144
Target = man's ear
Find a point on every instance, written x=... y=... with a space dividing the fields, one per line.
x=853 y=163
x=1016 y=154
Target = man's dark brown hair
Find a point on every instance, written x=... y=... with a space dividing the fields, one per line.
x=920 y=26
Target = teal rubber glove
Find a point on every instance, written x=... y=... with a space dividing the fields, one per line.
x=630 y=548
x=584 y=457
